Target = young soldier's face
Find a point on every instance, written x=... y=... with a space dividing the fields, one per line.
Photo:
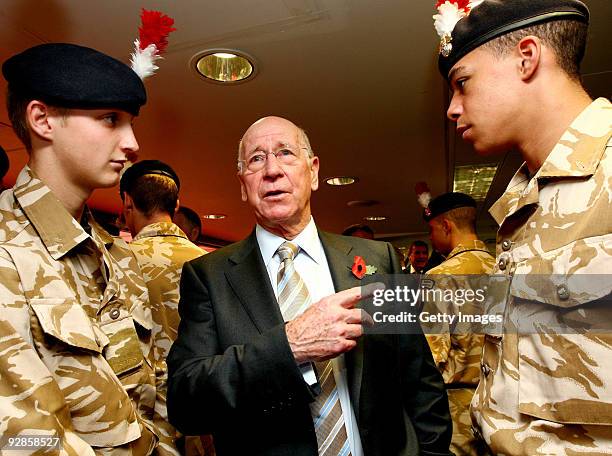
x=92 y=146
x=485 y=100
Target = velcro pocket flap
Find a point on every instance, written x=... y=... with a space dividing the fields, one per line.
x=65 y=320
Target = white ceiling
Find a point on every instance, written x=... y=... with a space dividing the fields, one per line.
x=360 y=76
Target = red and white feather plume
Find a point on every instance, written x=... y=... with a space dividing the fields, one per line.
x=449 y=13
x=151 y=43
x=423 y=193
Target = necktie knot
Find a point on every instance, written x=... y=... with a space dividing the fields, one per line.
x=287 y=250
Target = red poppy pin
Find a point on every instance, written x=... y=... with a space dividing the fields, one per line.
x=360 y=268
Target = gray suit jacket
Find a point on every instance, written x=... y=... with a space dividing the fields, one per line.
x=233 y=374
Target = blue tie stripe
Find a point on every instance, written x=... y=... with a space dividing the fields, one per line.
x=346 y=449
x=329 y=404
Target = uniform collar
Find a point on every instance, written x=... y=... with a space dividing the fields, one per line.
x=576 y=154
x=476 y=244
x=57 y=229
x=160 y=229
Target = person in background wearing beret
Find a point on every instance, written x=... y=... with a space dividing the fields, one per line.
x=74 y=316
x=452 y=228
x=149 y=190
x=189 y=221
x=514 y=70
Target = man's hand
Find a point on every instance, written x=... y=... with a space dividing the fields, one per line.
x=330 y=326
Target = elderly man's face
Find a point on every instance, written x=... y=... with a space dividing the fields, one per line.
x=279 y=193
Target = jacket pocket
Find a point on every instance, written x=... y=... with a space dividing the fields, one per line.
x=562 y=311
x=65 y=320
x=566 y=378
x=570 y=276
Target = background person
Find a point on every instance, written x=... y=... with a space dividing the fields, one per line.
x=457 y=350
x=4 y=167
x=417 y=257
x=189 y=221
x=359 y=230
x=149 y=190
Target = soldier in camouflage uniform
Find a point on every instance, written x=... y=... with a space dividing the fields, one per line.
x=74 y=321
x=189 y=221
x=514 y=72
x=149 y=190
x=457 y=353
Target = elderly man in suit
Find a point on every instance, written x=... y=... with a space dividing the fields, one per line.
x=271 y=356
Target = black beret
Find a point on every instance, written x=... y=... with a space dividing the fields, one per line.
x=493 y=18
x=446 y=202
x=146 y=167
x=71 y=76
x=4 y=163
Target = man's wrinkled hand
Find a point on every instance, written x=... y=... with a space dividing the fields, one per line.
x=330 y=326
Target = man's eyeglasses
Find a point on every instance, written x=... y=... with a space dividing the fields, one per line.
x=285 y=155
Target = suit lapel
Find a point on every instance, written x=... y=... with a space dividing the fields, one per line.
x=340 y=260
x=248 y=278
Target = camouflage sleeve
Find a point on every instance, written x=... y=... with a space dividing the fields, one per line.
x=440 y=346
x=167 y=434
x=31 y=401
x=437 y=333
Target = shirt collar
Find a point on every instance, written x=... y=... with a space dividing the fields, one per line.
x=475 y=244
x=308 y=241
x=579 y=151
x=57 y=229
x=160 y=229
x=577 y=154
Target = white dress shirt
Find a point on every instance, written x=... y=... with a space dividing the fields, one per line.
x=311 y=264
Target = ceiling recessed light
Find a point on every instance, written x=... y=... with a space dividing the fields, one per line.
x=341 y=180
x=375 y=218
x=214 y=216
x=224 y=66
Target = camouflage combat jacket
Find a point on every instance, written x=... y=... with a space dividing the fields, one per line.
x=545 y=388
x=72 y=307
x=457 y=348
x=161 y=249
x=458 y=355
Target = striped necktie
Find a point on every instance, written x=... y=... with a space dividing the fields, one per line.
x=294 y=299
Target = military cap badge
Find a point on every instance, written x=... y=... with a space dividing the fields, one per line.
x=449 y=13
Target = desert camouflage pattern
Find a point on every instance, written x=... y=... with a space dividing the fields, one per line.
x=547 y=391
x=74 y=330
x=161 y=249
x=458 y=354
